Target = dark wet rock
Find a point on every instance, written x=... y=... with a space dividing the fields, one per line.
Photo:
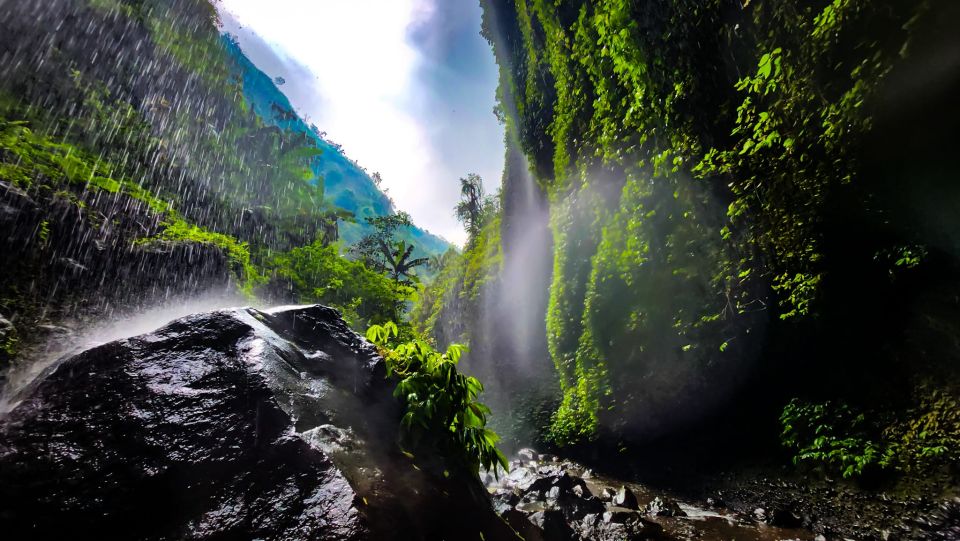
x=786 y=518
x=521 y=523
x=625 y=498
x=620 y=523
x=581 y=491
x=619 y=515
x=527 y=454
x=716 y=503
x=575 y=507
x=520 y=477
x=504 y=499
x=553 y=524
x=237 y=424
x=530 y=504
x=664 y=507
x=550 y=478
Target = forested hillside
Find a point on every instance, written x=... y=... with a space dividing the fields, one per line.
x=751 y=214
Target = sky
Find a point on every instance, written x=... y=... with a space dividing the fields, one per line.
x=406 y=86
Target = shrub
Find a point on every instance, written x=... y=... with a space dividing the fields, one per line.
x=832 y=435
x=441 y=404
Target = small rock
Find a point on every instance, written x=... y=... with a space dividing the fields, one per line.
x=760 y=514
x=527 y=455
x=663 y=507
x=553 y=525
x=520 y=478
x=504 y=500
x=820 y=537
x=607 y=494
x=619 y=515
x=530 y=507
x=785 y=518
x=522 y=525
x=553 y=493
x=626 y=498
x=632 y=530
x=716 y=503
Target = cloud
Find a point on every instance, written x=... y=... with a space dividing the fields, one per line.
x=406 y=86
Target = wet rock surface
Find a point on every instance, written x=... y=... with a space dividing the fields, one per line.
x=546 y=499
x=236 y=424
x=598 y=507
x=840 y=511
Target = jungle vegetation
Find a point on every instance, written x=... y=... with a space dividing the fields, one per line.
x=750 y=204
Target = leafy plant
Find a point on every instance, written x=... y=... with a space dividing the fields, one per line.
x=441 y=404
x=832 y=435
x=929 y=434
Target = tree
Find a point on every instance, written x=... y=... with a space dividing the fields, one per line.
x=381 y=250
x=318 y=273
x=398 y=258
x=470 y=209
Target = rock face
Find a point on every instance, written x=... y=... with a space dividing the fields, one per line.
x=548 y=500
x=237 y=424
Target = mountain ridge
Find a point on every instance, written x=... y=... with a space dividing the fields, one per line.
x=346 y=184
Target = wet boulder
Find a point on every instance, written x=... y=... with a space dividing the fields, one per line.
x=553 y=525
x=619 y=515
x=620 y=524
x=236 y=424
x=626 y=498
x=664 y=507
x=527 y=455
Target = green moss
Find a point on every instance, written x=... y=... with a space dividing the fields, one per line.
x=28 y=159
x=176 y=229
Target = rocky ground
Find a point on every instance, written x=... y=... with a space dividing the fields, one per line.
x=547 y=498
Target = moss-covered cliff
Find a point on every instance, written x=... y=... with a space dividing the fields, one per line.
x=749 y=202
